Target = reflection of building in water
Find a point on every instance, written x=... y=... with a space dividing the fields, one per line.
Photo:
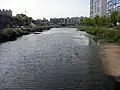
x=90 y=40
x=81 y=39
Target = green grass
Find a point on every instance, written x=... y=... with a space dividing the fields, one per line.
x=109 y=35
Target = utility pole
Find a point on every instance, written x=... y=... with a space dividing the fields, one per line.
x=25 y=11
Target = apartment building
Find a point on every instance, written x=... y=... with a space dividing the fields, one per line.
x=5 y=18
x=6 y=13
x=113 y=5
x=67 y=21
x=98 y=8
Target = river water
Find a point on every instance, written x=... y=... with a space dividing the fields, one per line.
x=59 y=59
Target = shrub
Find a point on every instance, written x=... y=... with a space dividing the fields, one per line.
x=81 y=28
x=110 y=35
x=9 y=33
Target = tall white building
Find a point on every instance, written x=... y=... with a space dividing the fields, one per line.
x=98 y=8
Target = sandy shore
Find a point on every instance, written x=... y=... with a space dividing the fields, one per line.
x=110 y=55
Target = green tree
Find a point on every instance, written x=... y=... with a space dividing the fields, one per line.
x=21 y=20
x=88 y=21
x=114 y=18
x=97 y=20
x=104 y=21
x=118 y=18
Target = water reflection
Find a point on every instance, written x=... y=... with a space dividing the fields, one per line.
x=60 y=59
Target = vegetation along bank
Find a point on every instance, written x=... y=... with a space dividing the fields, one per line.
x=107 y=29
x=11 y=33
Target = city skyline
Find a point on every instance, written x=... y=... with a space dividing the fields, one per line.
x=48 y=9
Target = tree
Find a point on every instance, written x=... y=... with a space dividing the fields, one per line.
x=97 y=20
x=21 y=20
x=85 y=21
x=104 y=21
x=88 y=21
x=118 y=18
x=114 y=17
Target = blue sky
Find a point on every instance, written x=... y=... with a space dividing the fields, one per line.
x=47 y=8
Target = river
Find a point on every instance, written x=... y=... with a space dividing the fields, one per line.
x=58 y=59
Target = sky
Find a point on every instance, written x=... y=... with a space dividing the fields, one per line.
x=47 y=8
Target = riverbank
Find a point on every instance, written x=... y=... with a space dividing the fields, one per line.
x=109 y=48
x=11 y=33
x=110 y=56
x=109 y=35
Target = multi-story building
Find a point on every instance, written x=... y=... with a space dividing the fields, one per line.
x=5 y=18
x=66 y=21
x=6 y=13
x=40 y=22
x=112 y=5
x=98 y=8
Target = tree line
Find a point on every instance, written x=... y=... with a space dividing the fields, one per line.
x=21 y=20
x=106 y=28
x=15 y=21
x=110 y=20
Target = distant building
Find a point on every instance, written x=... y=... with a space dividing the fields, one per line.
x=6 y=13
x=98 y=8
x=43 y=22
x=113 y=5
x=66 y=21
x=5 y=18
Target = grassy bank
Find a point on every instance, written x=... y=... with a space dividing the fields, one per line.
x=107 y=34
x=10 y=33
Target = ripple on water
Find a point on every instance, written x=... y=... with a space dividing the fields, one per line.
x=59 y=59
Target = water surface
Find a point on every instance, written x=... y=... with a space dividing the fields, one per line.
x=59 y=59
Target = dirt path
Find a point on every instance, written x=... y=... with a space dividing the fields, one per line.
x=110 y=55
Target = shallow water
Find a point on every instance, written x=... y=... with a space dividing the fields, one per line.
x=59 y=59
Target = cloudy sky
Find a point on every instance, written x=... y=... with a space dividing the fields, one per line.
x=47 y=8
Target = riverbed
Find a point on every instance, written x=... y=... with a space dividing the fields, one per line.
x=58 y=59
